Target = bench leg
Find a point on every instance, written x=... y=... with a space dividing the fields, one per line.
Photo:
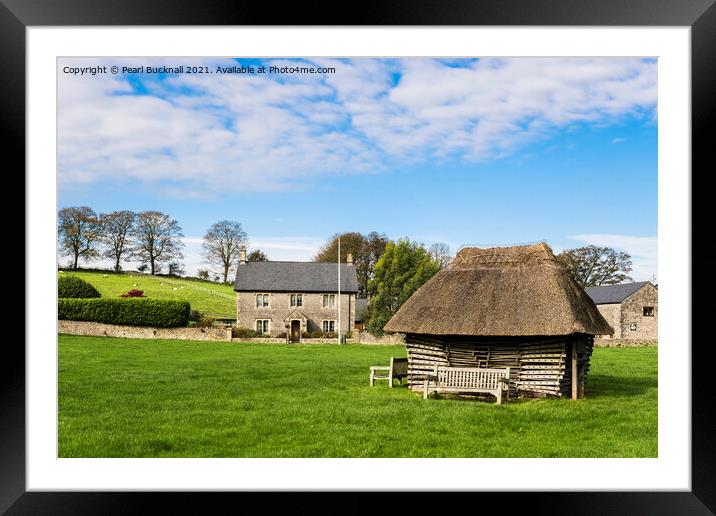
x=499 y=396
x=390 y=379
x=372 y=378
x=425 y=389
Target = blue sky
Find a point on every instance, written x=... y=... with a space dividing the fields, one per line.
x=498 y=151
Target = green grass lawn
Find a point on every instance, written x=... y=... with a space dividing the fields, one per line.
x=214 y=299
x=145 y=398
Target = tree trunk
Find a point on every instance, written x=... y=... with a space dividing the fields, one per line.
x=226 y=273
x=77 y=256
x=151 y=266
x=116 y=265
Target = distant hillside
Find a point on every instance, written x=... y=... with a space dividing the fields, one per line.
x=210 y=298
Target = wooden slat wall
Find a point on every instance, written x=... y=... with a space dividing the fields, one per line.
x=539 y=366
x=583 y=360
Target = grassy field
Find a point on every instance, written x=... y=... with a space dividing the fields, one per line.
x=214 y=299
x=144 y=398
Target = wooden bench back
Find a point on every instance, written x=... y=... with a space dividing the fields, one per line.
x=400 y=366
x=471 y=377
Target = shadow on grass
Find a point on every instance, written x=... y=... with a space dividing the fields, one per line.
x=605 y=385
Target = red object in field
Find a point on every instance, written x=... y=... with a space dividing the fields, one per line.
x=134 y=293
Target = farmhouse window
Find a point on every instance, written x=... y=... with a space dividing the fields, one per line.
x=648 y=311
x=329 y=326
x=329 y=300
x=262 y=300
x=262 y=325
x=632 y=326
x=296 y=300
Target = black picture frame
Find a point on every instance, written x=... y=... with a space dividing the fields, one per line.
x=699 y=15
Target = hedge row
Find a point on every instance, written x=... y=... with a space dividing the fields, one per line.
x=164 y=313
x=74 y=287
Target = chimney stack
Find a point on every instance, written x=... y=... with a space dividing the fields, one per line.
x=242 y=255
x=349 y=258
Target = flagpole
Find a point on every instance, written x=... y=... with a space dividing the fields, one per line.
x=339 y=290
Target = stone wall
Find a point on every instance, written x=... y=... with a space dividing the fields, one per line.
x=280 y=308
x=635 y=325
x=613 y=315
x=623 y=343
x=142 y=332
x=389 y=338
x=94 y=329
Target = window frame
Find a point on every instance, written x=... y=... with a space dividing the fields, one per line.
x=323 y=325
x=262 y=295
x=297 y=296
x=264 y=322
x=650 y=309
x=328 y=296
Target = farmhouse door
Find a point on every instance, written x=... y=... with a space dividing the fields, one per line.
x=295 y=331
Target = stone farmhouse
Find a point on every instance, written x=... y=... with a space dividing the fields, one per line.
x=295 y=297
x=632 y=309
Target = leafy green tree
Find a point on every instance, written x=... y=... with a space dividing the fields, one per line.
x=400 y=271
x=176 y=269
x=592 y=265
x=366 y=250
x=257 y=255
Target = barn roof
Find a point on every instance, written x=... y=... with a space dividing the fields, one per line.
x=500 y=291
x=607 y=294
x=294 y=277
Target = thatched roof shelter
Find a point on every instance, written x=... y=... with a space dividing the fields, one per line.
x=501 y=291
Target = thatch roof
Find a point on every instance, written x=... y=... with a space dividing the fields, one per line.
x=501 y=291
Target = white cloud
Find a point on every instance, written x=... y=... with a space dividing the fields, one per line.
x=643 y=251
x=204 y=135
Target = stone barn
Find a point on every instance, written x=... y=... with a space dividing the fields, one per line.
x=632 y=309
x=515 y=307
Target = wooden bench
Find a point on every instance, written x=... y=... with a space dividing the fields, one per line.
x=467 y=380
x=398 y=369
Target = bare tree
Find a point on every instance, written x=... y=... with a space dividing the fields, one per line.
x=79 y=233
x=116 y=230
x=222 y=244
x=592 y=265
x=440 y=252
x=157 y=239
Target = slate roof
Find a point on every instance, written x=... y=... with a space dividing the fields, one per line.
x=610 y=294
x=294 y=277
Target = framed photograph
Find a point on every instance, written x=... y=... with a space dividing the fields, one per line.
x=420 y=250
